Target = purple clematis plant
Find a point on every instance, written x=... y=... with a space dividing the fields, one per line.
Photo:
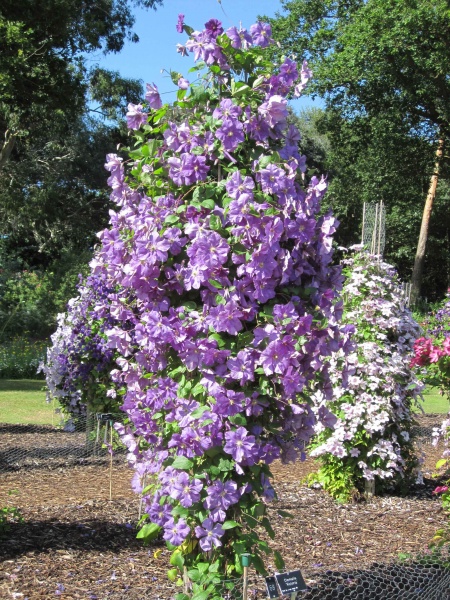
x=225 y=301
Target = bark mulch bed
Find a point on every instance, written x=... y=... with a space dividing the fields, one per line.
x=77 y=544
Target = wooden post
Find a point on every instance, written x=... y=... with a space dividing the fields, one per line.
x=110 y=460
x=141 y=500
x=186 y=581
x=245 y=559
x=419 y=260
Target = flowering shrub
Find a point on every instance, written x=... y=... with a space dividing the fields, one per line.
x=371 y=438
x=20 y=358
x=79 y=361
x=432 y=352
x=222 y=306
x=432 y=362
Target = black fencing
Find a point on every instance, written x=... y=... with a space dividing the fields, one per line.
x=87 y=439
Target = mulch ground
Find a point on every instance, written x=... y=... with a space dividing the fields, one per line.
x=76 y=543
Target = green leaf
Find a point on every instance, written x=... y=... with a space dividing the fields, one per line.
x=230 y=525
x=214 y=567
x=215 y=284
x=198 y=390
x=258 y=564
x=279 y=562
x=258 y=81
x=172 y=574
x=264 y=161
x=182 y=463
x=180 y=511
x=441 y=463
x=238 y=420
x=215 y=336
x=239 y=88
x=189 y=305
x=214 y=451
x=225 y=464
x=176 y=559
x=149 y=532
x=202 y=567
x=268 y=527
x=204 y=595
x=171 y=219
x=215 y=222
x=193 y=574
x=209 y=203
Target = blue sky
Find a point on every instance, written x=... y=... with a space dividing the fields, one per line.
x=158 y=37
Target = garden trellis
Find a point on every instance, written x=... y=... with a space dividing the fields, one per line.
x=374 y=227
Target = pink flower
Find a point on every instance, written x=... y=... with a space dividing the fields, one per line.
x=446 y=345
x=435 y=354
x=441 y=489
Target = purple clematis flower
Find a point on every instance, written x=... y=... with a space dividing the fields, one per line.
x=274 y=110
x=152 y=96
x=176 y=533
x=180 y=23
x=185 y=490
x=239 y=444
x=214 y=27
x=239 y=38
x=135 y=116
x=208 y=535
x=208 y=249
x=231 y=134
x=261 y=33
x=183 y=83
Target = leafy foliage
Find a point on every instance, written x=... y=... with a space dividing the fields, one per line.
x=20 y=358
x=382 y=68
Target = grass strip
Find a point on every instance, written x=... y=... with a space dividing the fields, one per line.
x=22 y=401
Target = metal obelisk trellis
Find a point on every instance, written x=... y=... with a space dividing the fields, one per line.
x=374 y=227
x=373 y=239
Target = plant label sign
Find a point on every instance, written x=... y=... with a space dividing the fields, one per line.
x=291 y=582
x=271 y=585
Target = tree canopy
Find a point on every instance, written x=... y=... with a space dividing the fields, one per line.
x=58 y=120
x=380 y=62
x=42 y=48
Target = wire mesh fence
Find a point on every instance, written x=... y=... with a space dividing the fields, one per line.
x=94 y=439
x=85 y=439
x=424 y=576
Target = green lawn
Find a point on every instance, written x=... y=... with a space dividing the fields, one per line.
x=434 y=402
x=22 y=401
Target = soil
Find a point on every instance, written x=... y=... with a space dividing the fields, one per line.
x=77 y=543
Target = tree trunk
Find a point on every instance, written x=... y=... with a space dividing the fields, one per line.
x=8 y=145
x=417 y=275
